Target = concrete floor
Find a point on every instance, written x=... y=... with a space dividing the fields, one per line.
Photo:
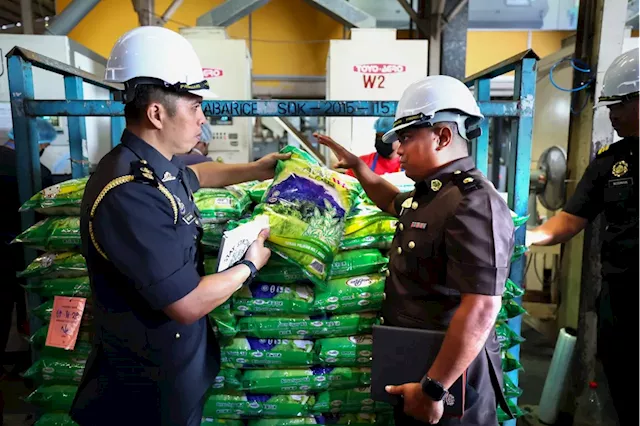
x=536 y=354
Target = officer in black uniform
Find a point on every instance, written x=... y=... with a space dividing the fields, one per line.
x=155 y=354
x=451 y=254
x=610 y=186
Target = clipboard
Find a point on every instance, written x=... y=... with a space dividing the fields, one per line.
x=237 y=241
x=404 y=355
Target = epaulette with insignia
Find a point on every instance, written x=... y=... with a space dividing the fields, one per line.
x=143 y=173
x=465 y=182
x=603 y=149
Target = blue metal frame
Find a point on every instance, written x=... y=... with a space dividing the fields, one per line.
x=25 y=108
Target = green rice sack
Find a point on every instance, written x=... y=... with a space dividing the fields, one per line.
x=368 y=226
x=507 y=337
x=307 y=205
x=72 y=287
x=510 y=309
x=515 y=410
x=518 y=252
x=356 y=400
x=353 y=263
x=228 y=379
x=345 y=351
x=56 y=371
x=257 y=191
x=260 y=353
x=252 y=405
x=62 y=199
x=512 y=290
x=209 y=421
x=518 y=220
x=293 y=421
x=210 y=265
x=53 y=398
x=55 y=419
x=78 y=355
x=359 y=419
x=301 y=381
x=224 y=322
x=219 y=205
x=345 y=264
x=56 y=265
x=307 y=327
x=509 y=362
x=509 y=389
x=43 y=312
x=54 y=234
x=273 y=299
x=362 y=293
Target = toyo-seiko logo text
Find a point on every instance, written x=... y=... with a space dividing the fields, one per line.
x=212 y=72
x=373 y=75
x=359 y=282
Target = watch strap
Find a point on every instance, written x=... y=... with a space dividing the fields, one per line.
x=433 y=389
x=251 y=266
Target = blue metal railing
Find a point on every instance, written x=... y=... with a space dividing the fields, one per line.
x=25 y=108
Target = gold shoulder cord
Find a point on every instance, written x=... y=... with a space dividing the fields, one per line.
x=114 y=184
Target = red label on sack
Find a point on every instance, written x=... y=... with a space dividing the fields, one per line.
x=379 y=68
x=212 y=72
x=64 y=324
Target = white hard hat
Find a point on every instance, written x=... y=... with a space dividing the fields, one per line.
x=156 y=55
x=435 y=99
x=621 y=79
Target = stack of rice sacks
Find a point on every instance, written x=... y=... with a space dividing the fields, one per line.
x=296 y=343
x=58 y=270
x=506 y=336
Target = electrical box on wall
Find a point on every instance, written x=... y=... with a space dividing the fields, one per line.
x=372 y=66
x=226 y=65
x=47 y=85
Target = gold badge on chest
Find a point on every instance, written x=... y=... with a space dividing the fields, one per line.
x=620 y=168
x=436 y=185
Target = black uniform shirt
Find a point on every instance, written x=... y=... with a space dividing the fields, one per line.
x=142 y=255
x=610 y=185
x=455 y=235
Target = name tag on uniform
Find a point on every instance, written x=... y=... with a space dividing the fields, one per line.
x=419 y=225
x=620 y=183
x=188 y=219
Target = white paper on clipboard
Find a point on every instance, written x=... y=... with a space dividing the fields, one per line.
x=236 y=242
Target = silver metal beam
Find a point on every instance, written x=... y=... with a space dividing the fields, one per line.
x=458 y=7
x=70 y=17
x=175 y=4
x=229 y=12
x=345 y=13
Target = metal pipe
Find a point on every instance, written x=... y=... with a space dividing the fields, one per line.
x=457 y=8
x=281 y=77
x=71 y=16
x=26 y=16
x=175 y=4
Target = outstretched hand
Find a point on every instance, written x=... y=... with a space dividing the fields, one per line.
x=346 y=159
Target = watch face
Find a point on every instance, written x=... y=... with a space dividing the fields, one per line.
x=434 y=390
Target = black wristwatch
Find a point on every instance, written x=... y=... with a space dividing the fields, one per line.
x=252 y=267
x=433 y=389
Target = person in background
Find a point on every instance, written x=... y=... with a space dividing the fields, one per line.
x=451 y=254
x=385 y=159
x=200 y=152
x=610 y=186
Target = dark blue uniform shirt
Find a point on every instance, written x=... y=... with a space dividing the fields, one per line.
x=141 y=247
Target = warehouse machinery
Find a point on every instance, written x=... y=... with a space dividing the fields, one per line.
x=226 y=65
x=49 y=85
x=373 y=65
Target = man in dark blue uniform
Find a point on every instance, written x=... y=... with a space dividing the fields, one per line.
x=155 y=355
x=610 y=186
x=451 y=254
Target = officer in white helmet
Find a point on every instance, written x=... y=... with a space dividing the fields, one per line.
x=155 y=354
x=610 y=186
x=450 y=256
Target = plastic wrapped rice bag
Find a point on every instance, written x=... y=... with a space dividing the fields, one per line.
x=210 y=421
x=356 y=400
x=307 y=327
x=225 y=323
x=359 y=419
x=255 y=405
x=228 y=379
x=307 y=205
x=56 y=265
x=212 y=235
x=345 y=351
x=257 y=191
x=72 y=287
x=368 y=227
x=53 y=234
x=506 y=336
x=51 y=371
x=307 y=380
x=247 y=352
x=219 y=205
x=272 y=299
x=55 y=419
x=351 y=295
x=53 y=397
x=62 y=199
